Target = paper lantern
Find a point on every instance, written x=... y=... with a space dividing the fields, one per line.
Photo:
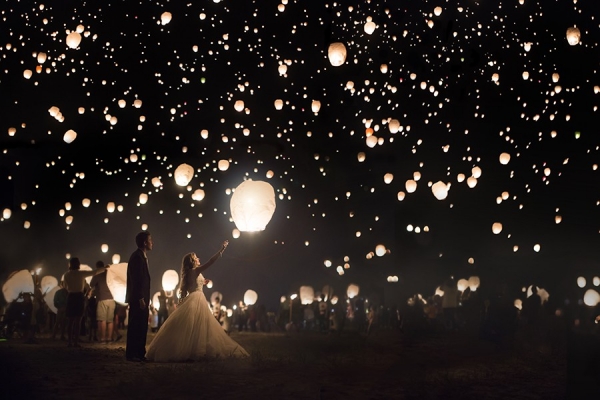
x=596 y=281
x=383 y=68
x=401 y=195
x=327 y=292
x=437 y=11
x=235 y=233
x=581 y=282
x=439 y=190
x=156 y=301
x=504 y=158
x=334 y=300
x=473 y=283
x=439 y=292
x=165 y=18
x=591 y=298
x=472 y=182
x=518 y=303
x=49 y=298
x=410 y=186
x=104 y=248
x=371 y=141
x=116 y=258
x=198 y=195
x=252 y=205
x=476 y=172
x=558 y=219
x=573 y=35
x=525 y=75
x=315 y=106
x=370 y=27
x=462 y=284
x=110 y=206
x=380 y=250
x=394 y=126
x=239 y=105
x=157 y=183
x=216 y=298
x=170 y=279
x=116 y=280
x=27 y=74
x=388 y=178
x=183 y=174
x=143 y=199
x=73 y=40
x=352 y=290
x=307 y=295
x=282 y=69
x=86 y=202
x=337 y=54
x=278 y=104
x=496 y=228
x=137 y=103
x=250 y=297
x=48 y=282
x=361 y=157
x=69 y=136
x=495 y=77
x=555 y=77
x=6 y=213
x=41 y=57
x=223 y=165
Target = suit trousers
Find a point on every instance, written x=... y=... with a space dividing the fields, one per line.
x=136 y=332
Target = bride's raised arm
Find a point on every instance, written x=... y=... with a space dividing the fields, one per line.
x=203 y=267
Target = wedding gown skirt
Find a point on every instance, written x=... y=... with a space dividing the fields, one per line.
x=191 y=332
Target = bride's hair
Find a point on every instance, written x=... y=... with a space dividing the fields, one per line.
x=186 y=267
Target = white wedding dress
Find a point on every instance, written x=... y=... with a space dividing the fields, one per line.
x=191 y=332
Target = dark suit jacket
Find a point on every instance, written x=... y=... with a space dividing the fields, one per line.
x=138 y=279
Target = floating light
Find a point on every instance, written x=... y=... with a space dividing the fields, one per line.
x=440 y=190
x=69 y=136
x=573 y=35
x=410 y=186
x=183 y=174
x=73 y=40
x=337 y=54
x=504 y=158
x=307 y=295
x=252 y=205
x=170 y=279
x=352 y=290
x=250 y=297
x=496 y=228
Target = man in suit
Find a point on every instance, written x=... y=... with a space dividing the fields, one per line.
x=138 y=298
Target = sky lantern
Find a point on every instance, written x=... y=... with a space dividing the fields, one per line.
x=86 y=202
x=250 y=297
x=437 y=11
x=537 y=248
x=401 y=195
x=137 y=103
x=41 y=57
x=496 y=228
x=518 y=303
x=282 y=69
x=557 y=219
x=104 y=248
x=476 y=172
x=270 y=174
x=116 y=258
x=462 y=284
x=11 y=131
x=440 y=190
x=352 y=290
x=239 y=105
x=143 y=198
x=47 y=283
x=110 y=206
x=380 y=250
x=116 y=280
x=278 y=104
x=17 y=282
x=156 y=301
x=252 y=205
x=235 y=233
x=460 y=178
x=27 y=73
x=337 y=54
x=394 y=126
x=157 y=183
x=383 y=68
x=315 y=106
x=573 y=35
x=369 y=26
x=371 y=141
x=555 y=77
x=388 y=178
x=581 y=282
x=223 y=165
x=410 y=186
x=170 y=279
x=472 y=182
x=165 y=18
x=183 y=174
x=361 y=157
x=504 y=158
x=596 y=281
x=73 y=40
x=307 y=295
x=474 y=283
x=69 y=136
x=591 y=298
x=198 y=195
x=495 y=77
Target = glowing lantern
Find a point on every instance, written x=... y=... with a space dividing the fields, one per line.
x=518 y=304
x=596 y=281
x=165 y=18
x=270 y=174
x=361 y=156
x=460 y=177
x=110 y=207
x=69 y=136
x=383 y=68
x=581 y=282
x=573 y=36
x=504 y=158
x=143 y=199
x=437 y=11
x=116 y=280
x=380 y=250
x=370 y=27
x=496 y=228
x=537 y=248
x=104 y=248
x=476 y=172
x=41 y=57
x=394 y=126
x=525 y=75
x=69 y=219
x=252 y=205
x=352 y=290
x=334 y=300
x=239 y=105
x=116 y=258
x=401 y=195
x=410 y=186
x=558 y=219
x=235 y=233
x=18 y=282
x=555 y=77
x=278 y=104
x=472 y=182
x=137 y=103
x=183 y=174
x=282 y=69
x=371 y=141
x=337 y=54
x=73 y=40
x=250 y=297
x=462 y=284
x=223 y=165
x=591 y=298
x=307 y=295
x=440 y=190
x=316 y=106
x=474 y=283
x=495 y=77
x=27 y=73
x=156 y=182
x=198 y=195
x=86 y=202
x=388 y=178
x=47 y=283
x=170 y=279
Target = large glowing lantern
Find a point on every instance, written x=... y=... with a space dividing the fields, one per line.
x=337 y=54
x=250 y=297
x=165 y=18
x=170 y=279
x=380 y=250
x=411 y=186
x=116 y=258
x=27 y=74
x=394 y=126
x=472 y=182
x=315 y=106
x=143 y=199
x=73 y=40
x=591 y=298
x=352 y=290
x=440 y=190
x=388 y=178
x=370 y=27
x=110 y=206
x=184 y=174
x=49 y=298
x=573 y=35
x=474 y=283
x=223 y=165
x=581 y=282
x=198 y=195
x=116 y=279
x=6 y=213
x=70 y=136
x=48 y=282
x=278 y=104
x=239 y=105
x=518 y=303
x=252 y=205
x=462 y=284
x=504 y=158
x=86 y=202
x=496 y=228
x=307 y=294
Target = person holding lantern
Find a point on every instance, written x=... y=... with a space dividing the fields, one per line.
x=191 y=332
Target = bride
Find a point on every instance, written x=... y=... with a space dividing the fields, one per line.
x=191 y=332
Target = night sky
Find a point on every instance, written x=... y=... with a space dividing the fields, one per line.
x=434 y=74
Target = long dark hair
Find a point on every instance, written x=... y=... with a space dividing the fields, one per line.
x=186 y=267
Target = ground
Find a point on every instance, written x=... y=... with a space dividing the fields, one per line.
x=388 y=364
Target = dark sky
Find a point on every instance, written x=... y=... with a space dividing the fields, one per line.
x=462 y=119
